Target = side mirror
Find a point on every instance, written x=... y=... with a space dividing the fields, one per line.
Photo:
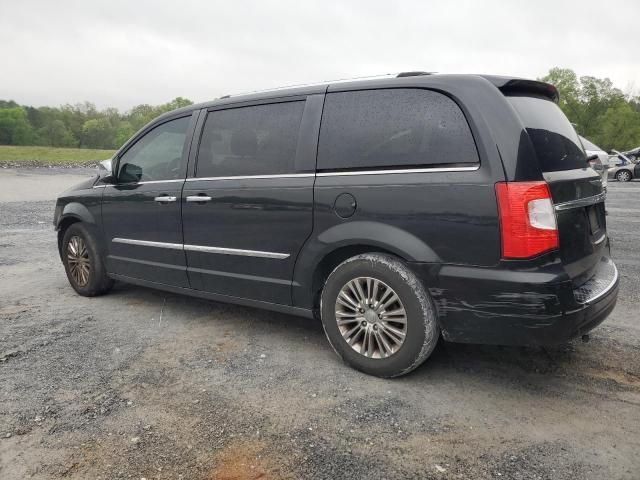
x=106 y=165
x=105 y=171
x=130 y=173
x=110 y=179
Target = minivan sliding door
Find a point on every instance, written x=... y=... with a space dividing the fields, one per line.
x=247 y=209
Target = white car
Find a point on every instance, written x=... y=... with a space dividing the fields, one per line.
x=599 y=159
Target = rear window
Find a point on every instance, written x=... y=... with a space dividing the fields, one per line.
x=555 y=141
x=393 y=128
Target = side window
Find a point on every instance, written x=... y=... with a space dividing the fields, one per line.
x=393 y=128
x=257 y=140
x=157 y=155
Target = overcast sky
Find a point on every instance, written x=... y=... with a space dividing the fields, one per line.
x=123 y=53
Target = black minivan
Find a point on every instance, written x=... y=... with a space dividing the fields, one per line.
x=397 y=210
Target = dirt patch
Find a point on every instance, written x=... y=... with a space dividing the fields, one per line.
x=11 y=310
x=620 y=377
x=247 y=461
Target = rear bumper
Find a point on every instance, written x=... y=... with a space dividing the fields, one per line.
x=507 y=307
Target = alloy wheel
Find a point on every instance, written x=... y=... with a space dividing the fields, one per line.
x=624 y=176
x=371 y=317
x=78 y=260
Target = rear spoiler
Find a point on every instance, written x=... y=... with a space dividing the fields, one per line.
x=521 y=86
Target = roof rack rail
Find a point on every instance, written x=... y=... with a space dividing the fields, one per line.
x=413 y=74
x=327 y=82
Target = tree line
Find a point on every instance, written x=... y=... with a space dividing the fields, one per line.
x=600 y=112
x=81 y=125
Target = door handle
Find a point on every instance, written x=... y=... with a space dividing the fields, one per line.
x=165 y=199
x=198 y=198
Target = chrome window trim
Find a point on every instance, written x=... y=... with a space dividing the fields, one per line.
x=203 y=248
x=470 y=168
x=581 y=202
x=399 y=171
x=249 y=177
x=139 y=183
x=156 y=181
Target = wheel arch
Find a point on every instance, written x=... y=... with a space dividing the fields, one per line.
x=333 y=246
x=62 y=227
x=72 y=212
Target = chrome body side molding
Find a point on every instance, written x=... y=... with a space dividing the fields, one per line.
x=147 y=243
x=236 y=251
x=203 y=248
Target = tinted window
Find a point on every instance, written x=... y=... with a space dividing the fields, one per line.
x=392 y=128
x=157 y=155
x=259 y=140
x=555 y=141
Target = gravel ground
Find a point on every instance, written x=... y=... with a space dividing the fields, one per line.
x=143 y=384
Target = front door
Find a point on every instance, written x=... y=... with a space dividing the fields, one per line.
x=247 y=211
x=141 y=212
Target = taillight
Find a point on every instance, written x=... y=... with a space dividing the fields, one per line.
x=527 y=219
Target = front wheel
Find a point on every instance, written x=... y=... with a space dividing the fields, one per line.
x=378 y=316
x=82 y=262
x=623 y=176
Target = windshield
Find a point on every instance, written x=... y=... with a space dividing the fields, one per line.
x=555 y=141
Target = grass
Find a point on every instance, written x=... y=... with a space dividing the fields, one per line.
x=50 y=156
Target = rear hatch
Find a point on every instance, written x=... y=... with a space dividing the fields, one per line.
x=576 y=189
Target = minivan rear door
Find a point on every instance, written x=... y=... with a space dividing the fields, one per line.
x=576 y=188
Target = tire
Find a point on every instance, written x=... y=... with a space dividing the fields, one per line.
x=623 y=176
x=377 y=348
x=93 y=280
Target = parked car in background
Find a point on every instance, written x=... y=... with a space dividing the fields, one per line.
x=622 y=168
x=633 y=154
x=598 y=159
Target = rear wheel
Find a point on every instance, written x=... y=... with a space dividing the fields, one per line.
x=82 y=262
x=378 y=316
x=623 y=176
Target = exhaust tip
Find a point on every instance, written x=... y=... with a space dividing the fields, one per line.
x=585 y=338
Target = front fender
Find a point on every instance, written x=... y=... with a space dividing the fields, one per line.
x=74 y=210
x=376 y=236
